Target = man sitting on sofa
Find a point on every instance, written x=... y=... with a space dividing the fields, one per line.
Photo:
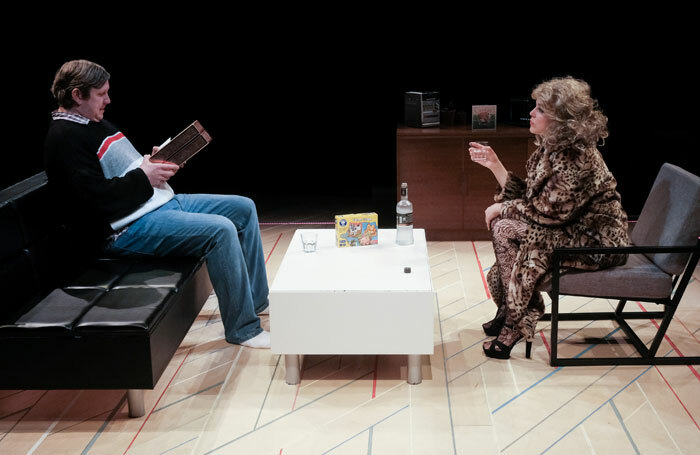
x=120 y=202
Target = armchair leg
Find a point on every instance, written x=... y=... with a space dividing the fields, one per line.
x=665 y=322
x=620 y=306
x=554 y=330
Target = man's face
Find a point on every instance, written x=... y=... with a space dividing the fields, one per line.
x=94 y=106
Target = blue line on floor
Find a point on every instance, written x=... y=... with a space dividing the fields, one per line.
x=213 y=351
x=189 y=396
x=558 y=409
x=549 y=375
x=624 y=427
x=179 y=445
x=487 y=359
x=267 y=392
x=485 y=338
x=443 y=262
x=370 y=429
x=599 y=407
x=288 y=413
x=525 y=391
x=447 y=384
x=465 y=372
x=453 y=302
x=103 y=426
x=466 y=309
x=468 y=347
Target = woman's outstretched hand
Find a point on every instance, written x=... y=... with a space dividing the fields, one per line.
x=483 y=154
x=492 y=211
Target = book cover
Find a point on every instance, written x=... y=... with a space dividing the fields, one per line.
x=183 y=146
x=356 y=229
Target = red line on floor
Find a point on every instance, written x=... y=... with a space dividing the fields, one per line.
x=481 y=271
x=294 y=405
x=673 y=345
x=678 y=398
x=301 y=376
x=546 y=345
x=273 y=248
x=688 y=330
x=157 y=401
x=374 y=382
x=678 y=351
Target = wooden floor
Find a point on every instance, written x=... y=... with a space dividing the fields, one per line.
x=217 y=398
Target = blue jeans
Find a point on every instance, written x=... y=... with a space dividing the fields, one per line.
x=225 y=230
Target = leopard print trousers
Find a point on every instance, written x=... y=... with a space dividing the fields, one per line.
x=506 y=281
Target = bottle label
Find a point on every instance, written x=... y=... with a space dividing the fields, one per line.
x=404 y=219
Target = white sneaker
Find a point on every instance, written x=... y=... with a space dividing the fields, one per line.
x=259 y=341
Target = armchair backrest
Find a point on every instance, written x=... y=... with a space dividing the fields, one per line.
x=670 y=217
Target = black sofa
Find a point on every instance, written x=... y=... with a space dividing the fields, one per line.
x=69 y=320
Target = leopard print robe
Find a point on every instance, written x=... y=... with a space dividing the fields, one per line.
x=569 y=199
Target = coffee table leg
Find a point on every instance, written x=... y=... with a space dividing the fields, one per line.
x=415 y=376
x=291 y=362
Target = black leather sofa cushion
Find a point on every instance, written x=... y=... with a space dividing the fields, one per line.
x=137 y=300
x=127 y=309
x=58 y=311
x=101 y=274
x=170 y=273
x=110 y=294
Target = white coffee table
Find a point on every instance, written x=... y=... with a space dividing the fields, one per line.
x=356 y=300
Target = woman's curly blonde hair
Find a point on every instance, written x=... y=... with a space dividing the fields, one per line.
x=575 y=120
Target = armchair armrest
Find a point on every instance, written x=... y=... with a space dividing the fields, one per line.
x=634 y=249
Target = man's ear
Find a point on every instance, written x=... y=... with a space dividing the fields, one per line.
x=77 y=96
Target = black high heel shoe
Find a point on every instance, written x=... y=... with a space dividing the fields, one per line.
x=499 y=350
x=494 y=326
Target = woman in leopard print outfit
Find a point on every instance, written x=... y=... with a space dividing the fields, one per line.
x=568 y=199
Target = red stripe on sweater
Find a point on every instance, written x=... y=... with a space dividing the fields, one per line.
x=107 y=143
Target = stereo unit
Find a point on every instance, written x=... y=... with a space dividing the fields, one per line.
x=422 y=109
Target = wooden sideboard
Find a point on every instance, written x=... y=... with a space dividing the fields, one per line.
x=450 y=192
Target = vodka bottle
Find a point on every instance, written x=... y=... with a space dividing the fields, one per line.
x=404 y=218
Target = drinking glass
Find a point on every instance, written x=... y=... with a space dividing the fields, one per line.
x=309 y=240
x=478 y=154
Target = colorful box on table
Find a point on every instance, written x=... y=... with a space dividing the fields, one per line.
x=356 y=229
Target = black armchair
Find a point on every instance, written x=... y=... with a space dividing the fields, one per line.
x=653 y=273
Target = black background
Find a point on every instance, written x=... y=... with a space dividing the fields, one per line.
x=301 y=114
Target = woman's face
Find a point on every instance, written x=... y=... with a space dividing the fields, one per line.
x=539 y=122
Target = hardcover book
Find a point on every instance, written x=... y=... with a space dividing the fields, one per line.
x=183 y=146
